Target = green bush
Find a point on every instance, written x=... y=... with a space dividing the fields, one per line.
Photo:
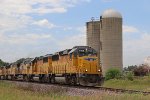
x=130 y=76
x=113 y=73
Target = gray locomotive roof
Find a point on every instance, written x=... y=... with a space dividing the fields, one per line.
x=28 y=60
x=81 y=46
x=74 y=49
x=48 y=55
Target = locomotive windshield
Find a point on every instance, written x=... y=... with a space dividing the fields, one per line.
x=82 y=51
x=86 y=52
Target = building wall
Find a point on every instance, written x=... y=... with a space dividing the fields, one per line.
x=111 y=43
x=93 y=35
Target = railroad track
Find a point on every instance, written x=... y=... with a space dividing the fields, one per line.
x=115 y=90
x=124 y=91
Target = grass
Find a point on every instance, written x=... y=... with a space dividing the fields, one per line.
x=9 y=91
x=140 y=83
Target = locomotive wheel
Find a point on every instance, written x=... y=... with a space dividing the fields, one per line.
x=68 y=80
x=40 y=79
x=26 y=78
x=13 y=78
x=53 y=79
x=48 y=79
x=73 y=80
x=6 y=77
x=44 y=79
x=30 y=78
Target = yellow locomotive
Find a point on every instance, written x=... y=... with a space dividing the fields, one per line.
x=78 y=65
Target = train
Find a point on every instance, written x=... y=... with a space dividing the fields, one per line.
x=76 y=66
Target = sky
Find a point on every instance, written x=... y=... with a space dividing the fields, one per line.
x=30 y=28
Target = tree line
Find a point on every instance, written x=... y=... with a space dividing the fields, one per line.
x=2 y=63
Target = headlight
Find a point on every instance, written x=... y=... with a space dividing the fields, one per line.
x=86 y=70
x=99 y=70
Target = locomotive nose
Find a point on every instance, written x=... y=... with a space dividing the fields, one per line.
x=90 y=65
x=91 y=71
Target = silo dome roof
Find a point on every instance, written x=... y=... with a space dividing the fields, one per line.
x=111 y=13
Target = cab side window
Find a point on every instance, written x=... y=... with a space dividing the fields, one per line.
x=55 y=57
x=81 y=52
x=45 y=60
x=70 y=56
x=75 y=54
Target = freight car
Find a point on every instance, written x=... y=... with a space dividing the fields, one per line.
x=78 y=65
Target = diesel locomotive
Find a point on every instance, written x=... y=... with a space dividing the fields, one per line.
x=76 y=66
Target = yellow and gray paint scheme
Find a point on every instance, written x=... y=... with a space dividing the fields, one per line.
x=78 y=65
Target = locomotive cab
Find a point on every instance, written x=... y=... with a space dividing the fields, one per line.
x=88 y=68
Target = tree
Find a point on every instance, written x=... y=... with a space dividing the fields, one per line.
x=2 y=63
x=141 y=70
x=130 y=68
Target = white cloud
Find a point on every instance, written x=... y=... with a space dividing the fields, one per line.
x=18 y=44
x=56 y=6
x=22 y=39
x=67 y=28
x=109 y=0
x=135 y=50
x=15 y=18
x=44 y=23
x=37 y=6
x=16 y=13
x=130 y=29
x=8 y=23
x=147 y=61
x=70 y=41
x=77 y=39
x=10 y=7
x=43 y=10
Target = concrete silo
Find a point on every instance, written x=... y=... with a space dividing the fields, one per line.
x=93 y=35
x=111 y=40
